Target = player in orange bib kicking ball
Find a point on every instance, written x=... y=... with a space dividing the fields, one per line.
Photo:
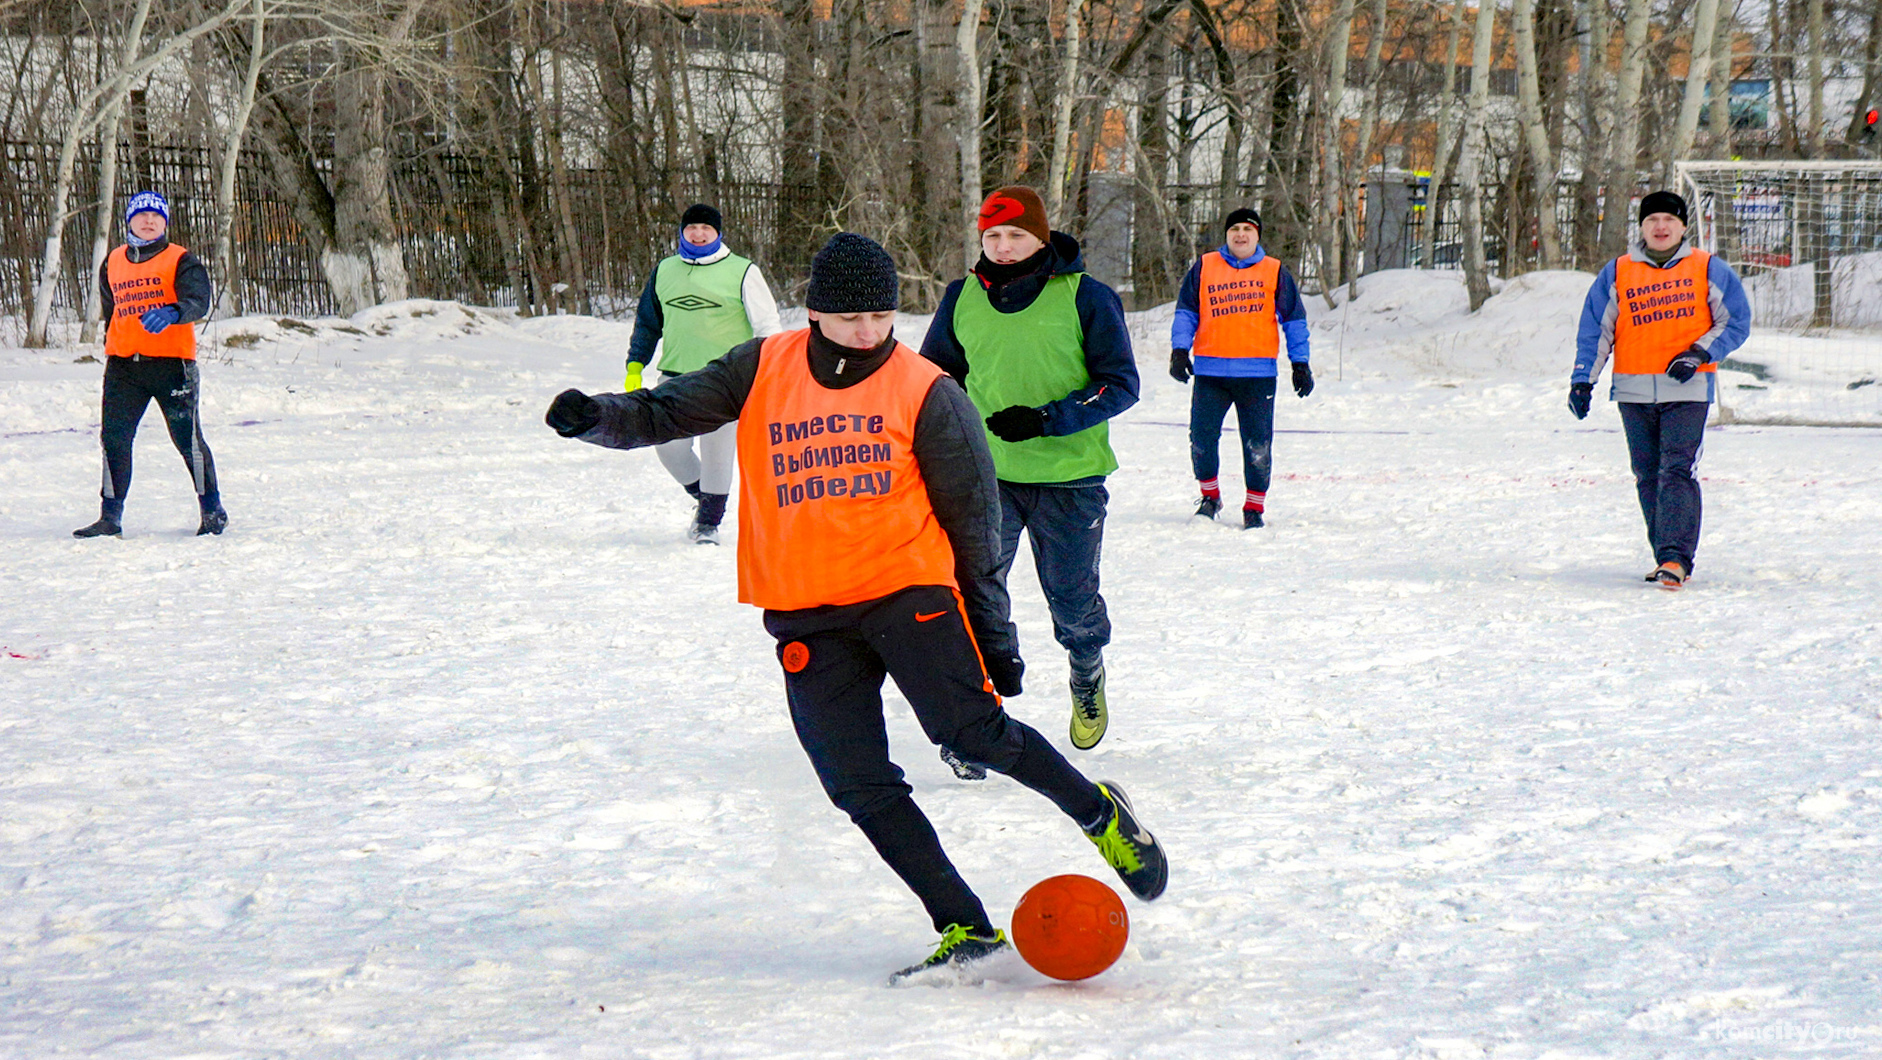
x=868 y=530
x=154 y=291
x=1665 y=313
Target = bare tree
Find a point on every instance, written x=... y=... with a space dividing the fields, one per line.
x=1623 y=163
x=1536 y=133
x=1062 y=112
x=1476 y=115
x=1446 y=135
x=967 y=43
x=1698 y=74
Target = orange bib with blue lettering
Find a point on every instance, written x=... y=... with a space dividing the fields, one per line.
x=1660 y=313
x=832 y=506
x=1235 y=309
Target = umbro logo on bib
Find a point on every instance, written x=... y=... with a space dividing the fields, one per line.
x=692 y=302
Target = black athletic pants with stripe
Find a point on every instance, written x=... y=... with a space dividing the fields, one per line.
x=835 y=659
x=131 y=384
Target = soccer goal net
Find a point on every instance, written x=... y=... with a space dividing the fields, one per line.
x=1806 y=238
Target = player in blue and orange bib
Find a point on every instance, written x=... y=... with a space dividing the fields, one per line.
x=868 y=531
x=153 y=291
x=1233 y=311
x=1665 y=313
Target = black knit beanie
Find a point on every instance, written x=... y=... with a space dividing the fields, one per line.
x=852 y=274
x=1663 y=202
x=701 y=214
x=1238 y=216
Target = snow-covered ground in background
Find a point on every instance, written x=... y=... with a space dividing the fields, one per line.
x=451 y=747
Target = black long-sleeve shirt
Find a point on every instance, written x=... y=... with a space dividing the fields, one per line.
x=193 y=290
x=949 y=445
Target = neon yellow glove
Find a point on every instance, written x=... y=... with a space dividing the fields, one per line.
x=633 y=376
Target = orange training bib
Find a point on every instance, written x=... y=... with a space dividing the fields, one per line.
x=136 y=288
x=832 y=506
x=1659 y=313
x=1235 y=309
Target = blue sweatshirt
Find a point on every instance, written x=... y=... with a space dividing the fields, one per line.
x=1594 y=341
x=1289 y=311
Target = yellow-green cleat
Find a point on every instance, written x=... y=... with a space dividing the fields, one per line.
x=960 y=947
x=1089 y=716
x=1130 y=848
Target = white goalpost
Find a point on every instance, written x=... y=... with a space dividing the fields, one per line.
x=1806 y=238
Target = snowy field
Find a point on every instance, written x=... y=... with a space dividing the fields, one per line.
x=452 y=747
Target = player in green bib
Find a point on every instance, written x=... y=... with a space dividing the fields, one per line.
x=698 y=304
x=1042 y=350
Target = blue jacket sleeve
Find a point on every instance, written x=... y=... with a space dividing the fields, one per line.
x=649 y=324
x=1188 y=309
x=1292 y=313
x=940 y=345
x=1731 y=311
x=1108 y=361
x=1594 y=337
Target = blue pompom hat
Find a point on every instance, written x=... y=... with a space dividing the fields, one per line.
x=147 y=202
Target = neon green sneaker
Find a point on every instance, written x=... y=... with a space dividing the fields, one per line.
x=1129 y=848
x=959 y=948
x=1089 y=716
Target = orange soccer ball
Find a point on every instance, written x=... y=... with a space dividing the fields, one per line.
x=1070 y=927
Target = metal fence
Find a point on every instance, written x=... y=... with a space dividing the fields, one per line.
x=482 y=231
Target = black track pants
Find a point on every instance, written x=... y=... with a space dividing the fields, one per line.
x=835 y=659
x=131 y=384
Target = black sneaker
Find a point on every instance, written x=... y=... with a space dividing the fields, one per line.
x=213 y=523
x=1128 y=848
x=702 y=534
x=1251 y=519
x=960 y=947
x=962 y=768
x=1208 y=507
x=102 y=528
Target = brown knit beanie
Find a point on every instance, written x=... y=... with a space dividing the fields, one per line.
x=1019 y=206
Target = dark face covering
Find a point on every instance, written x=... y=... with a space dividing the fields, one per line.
x=996 y=275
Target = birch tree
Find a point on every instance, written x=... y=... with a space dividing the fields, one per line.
x=1698 y=74
x=1535 y=133
x=1062 y=117
x=1623 y=161
x=967 y=44
x=1476 y=133
x=86 y=117
x=1339 y=42
x=1446 y=134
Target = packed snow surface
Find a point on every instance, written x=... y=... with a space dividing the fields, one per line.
x=453 y=747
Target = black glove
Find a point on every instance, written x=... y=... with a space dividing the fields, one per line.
x=1687 y=364
x=1017 y=423
x=1580 y=397
x=1006 y=671
x=572 y=413
x=1303 y=379
x=1180 y=369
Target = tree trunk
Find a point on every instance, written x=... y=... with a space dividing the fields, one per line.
x=1813 y=139
x=1150 y=234
x=799 y=96
x=1698 y=74
x=363 y=266
x=1062 y=116
x=82 y=121
x=104 y=222
x=1624 y=163
x=1339 y=43
x=1362 y=143
x=1447 y=132
x=226 y=274
x=1720 y=112
x=1476 y=275
x=967 y=44
x=1536 y=134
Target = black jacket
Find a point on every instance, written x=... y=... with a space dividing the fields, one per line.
x=949 y=444
x=192 y=281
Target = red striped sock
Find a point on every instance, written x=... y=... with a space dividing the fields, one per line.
x=1212 y=488
x=1256 y=502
